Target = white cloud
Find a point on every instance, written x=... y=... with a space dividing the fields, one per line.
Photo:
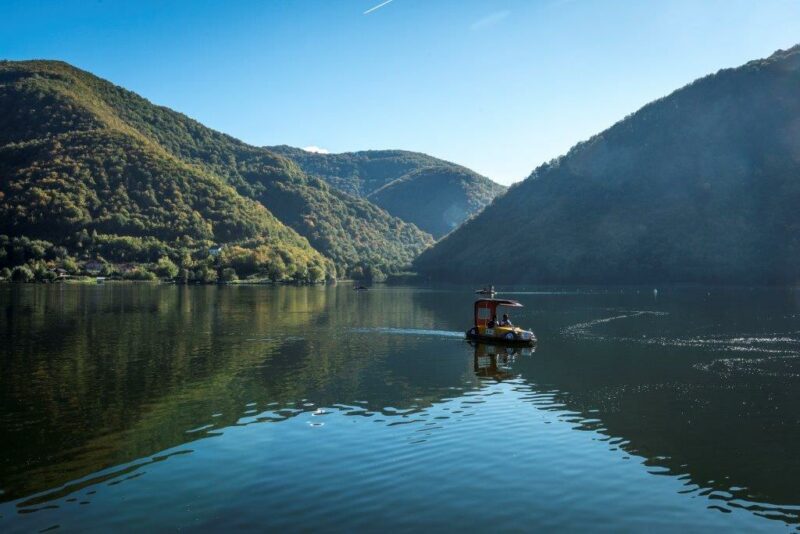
x=316 y=149
x=489 y=20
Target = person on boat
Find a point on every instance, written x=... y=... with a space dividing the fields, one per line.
x=506 y=321
x=492 y=322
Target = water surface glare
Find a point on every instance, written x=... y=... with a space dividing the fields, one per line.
x=135 y=406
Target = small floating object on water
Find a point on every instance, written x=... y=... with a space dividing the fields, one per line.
x=486 y=291
x=360 y=288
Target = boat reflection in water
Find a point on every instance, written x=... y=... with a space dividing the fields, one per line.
x=494 y=361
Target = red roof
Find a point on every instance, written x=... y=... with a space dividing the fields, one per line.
x=500 y=302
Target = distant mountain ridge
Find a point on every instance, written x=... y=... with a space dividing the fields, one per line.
x=434 y=194
x=63 y=130
x=699 y=186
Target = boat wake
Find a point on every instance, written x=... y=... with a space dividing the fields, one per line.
x=584 y=329
x=772 y=354
x=408 y=332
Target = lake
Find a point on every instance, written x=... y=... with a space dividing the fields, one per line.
x=134 y=406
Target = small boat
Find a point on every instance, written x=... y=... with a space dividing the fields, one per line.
x=360 y=288
x=483 y=330
x=486 y=291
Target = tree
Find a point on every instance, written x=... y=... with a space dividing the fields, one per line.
x=71 y=266
x=276 y=268
x=139 y=273
x=316 y=273
x=42 y=273
x=207 y=274
x=22 y=273
x=165 y=268
x=109 y=270
x=229 y=275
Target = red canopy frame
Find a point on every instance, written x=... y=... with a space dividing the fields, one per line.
x=485 y=309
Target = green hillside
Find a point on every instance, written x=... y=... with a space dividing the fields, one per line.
x=359 y=173
x=437 y=199
x=700 y=186
x=78 y=183
x=431 y=193
x=166 y=166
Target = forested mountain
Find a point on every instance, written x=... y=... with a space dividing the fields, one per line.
x=77 y=182
x=80 y=156
x=434 y=194
x=700 y=186
x=437 y=199
x=359 y=173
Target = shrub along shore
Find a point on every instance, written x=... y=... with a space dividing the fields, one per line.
x=26 y=260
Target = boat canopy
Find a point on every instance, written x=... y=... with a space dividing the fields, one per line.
x=485 y=309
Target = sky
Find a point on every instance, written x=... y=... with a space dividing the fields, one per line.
x=498 y=86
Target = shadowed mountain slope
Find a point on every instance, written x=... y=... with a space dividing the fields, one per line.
x=700 y=186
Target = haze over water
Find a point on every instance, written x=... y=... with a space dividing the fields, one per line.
x=136 y=406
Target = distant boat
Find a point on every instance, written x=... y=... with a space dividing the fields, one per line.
x=360 y=288
x=486 y=291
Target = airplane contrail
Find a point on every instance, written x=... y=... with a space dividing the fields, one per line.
x=370 y=10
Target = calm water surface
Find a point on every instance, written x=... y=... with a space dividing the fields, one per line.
x=135 y=406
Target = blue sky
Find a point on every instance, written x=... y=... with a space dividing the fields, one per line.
x=499 y=86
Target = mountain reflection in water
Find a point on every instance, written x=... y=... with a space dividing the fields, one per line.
x=140 y=399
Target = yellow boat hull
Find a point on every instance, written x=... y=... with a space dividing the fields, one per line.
x=511 y=335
